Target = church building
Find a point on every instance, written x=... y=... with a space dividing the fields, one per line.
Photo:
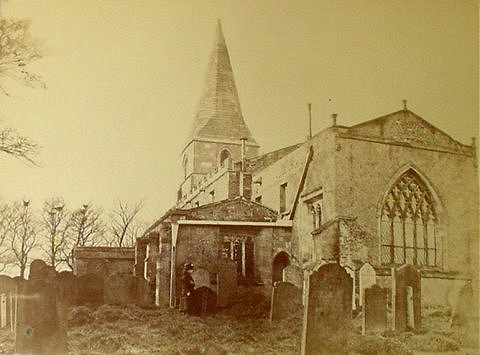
x=390 y=191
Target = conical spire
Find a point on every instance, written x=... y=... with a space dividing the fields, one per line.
x=219 y=114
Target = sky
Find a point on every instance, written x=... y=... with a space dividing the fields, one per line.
x=124 y=79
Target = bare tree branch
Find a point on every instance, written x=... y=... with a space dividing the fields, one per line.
x=15 y=145
x=123 y=226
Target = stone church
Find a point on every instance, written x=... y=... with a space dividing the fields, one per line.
x=390 y=191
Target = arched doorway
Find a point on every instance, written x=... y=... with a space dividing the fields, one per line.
x=280 y=262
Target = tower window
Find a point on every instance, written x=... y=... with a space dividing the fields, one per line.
x=283 y=198
x=225 y=158
x=408 y=224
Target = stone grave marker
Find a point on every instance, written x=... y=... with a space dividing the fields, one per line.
x=66 y=285
x=407 y=297
x=462 y=314
x=293 y=274
x=41 y=326
x=374 y=310
x=351 y=273
x=3 y=310
x=367 y=278
x=204 y=301
x=286 y=301
x=226 y=282
x=201 y=277
x=328 y=308
x=90 y=289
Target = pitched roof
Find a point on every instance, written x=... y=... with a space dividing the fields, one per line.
x=262 y=161
x=219 y=114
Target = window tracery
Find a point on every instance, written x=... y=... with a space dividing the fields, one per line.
x=408 y=224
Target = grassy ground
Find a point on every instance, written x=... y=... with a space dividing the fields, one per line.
x=111 y=329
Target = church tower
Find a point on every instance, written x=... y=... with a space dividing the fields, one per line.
x=215 y=139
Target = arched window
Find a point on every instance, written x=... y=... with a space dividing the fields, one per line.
x=408 y=224
x=225 y=158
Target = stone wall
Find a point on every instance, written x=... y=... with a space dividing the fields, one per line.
x=103 y=261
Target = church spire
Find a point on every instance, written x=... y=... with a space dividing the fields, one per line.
x=219 y=115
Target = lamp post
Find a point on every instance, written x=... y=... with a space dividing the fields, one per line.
x=54 y=212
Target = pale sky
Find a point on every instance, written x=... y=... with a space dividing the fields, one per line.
x=124 y=78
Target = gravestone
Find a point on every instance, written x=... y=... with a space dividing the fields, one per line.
x=226 y=282
x=286 y=301
x=145 y=292
x=407 y=296
x=293 y=274
x=462 y=314
x=119 y=289
x=374 y=310
x=3 y=310
x=201 y=277
x=41 y=326
x=66 y=285
x=367 y=278
x=89 y=289
x=351 y=273
x=204 y=301
x=328 y=308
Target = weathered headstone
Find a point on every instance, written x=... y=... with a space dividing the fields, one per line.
x=462 y=313
x=226 y=282
x=374 y=310
x=367 y=278
x=351 y=273
x=41 y=326
x=286 y=301
x=201 y=277
x=66 y=284
x=293 y=274
x=204 y=301
x=328 y=308
x=145 y=292
x=407 y=297
x=119 y=289
x=89 y=289
x=3 y=310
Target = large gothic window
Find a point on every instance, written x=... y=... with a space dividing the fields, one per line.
x=408 y=224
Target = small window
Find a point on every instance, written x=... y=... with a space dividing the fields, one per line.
x=241 y=250
x=225 y=158
x=317 y=215
x=283 y=198
x=212 y=196
x=258 y=199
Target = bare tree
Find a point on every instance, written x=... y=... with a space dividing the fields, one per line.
x=124 y=226
x=55 y=228
x=17 y=50
x=86 y=228
x=5 y=251
x=21 y=232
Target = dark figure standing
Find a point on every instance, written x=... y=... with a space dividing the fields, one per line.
x=188 y=285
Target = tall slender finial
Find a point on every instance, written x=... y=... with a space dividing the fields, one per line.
x=334 y=119
x=404 y=105
x=309 y=120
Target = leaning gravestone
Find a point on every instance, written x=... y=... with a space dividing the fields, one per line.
x=328 y=308
x=41 y=322
x=286 y=301
x=226 y=282
x=407 y=295
x=374 y=310
x=368 y=278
